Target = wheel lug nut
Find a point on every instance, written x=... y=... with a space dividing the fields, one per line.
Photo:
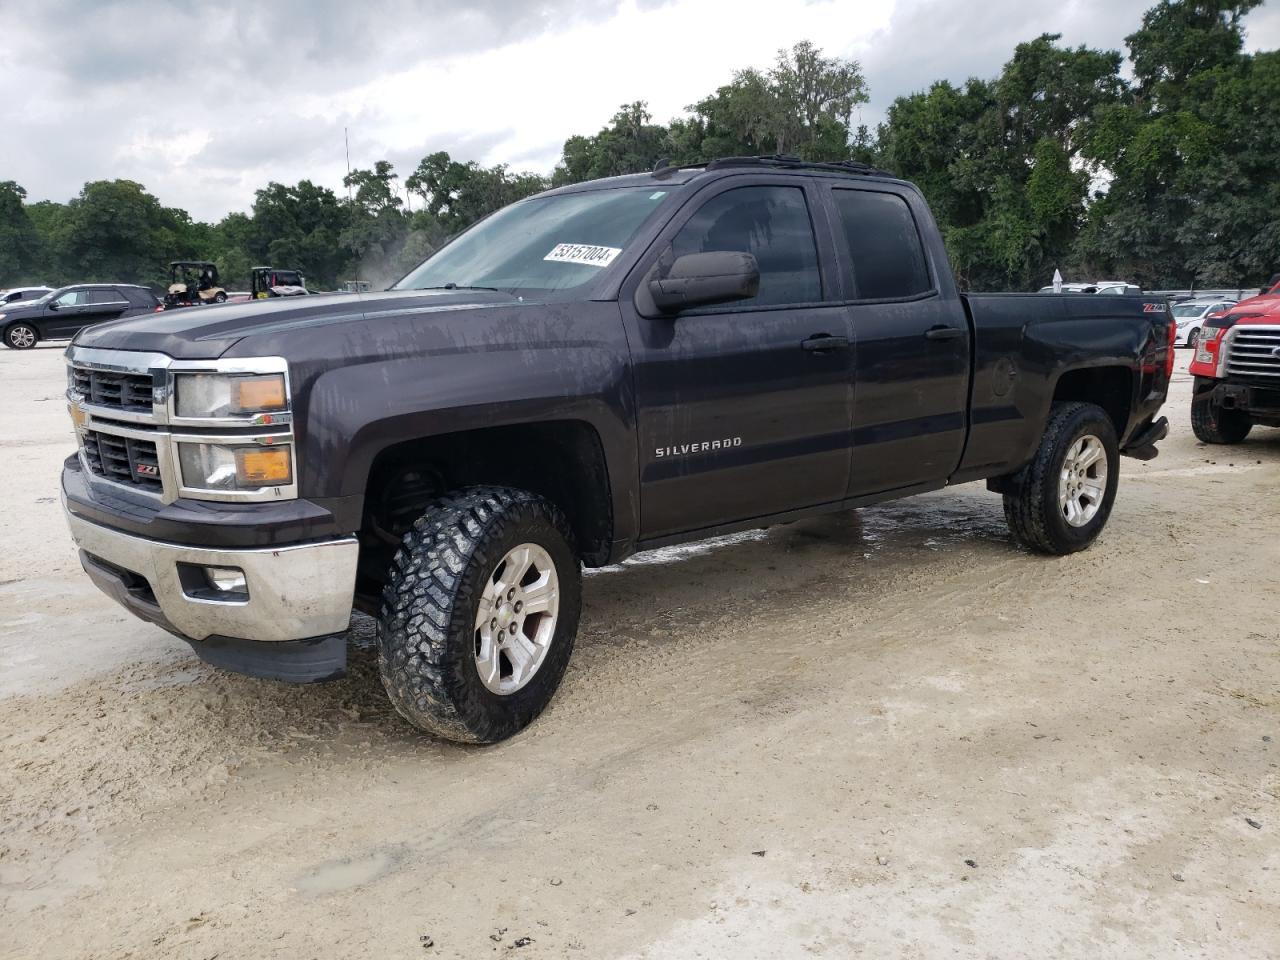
x=512 y=628
x=519 y=606
x=493 y=623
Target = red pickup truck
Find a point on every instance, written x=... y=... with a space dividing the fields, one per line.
x=1237 y=370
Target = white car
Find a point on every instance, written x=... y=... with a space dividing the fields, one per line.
x=1190 y=315
x=15 y=294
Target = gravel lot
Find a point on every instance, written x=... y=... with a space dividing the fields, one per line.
x=883 y=734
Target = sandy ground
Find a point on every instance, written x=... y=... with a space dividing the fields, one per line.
x=883 y=734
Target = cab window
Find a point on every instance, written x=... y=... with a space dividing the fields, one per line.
x=770 y=223
x=884 y=245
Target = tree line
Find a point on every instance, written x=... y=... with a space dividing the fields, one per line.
x=1165 y=175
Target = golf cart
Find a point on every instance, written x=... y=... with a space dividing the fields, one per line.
x=267 y=282
x=193 y=282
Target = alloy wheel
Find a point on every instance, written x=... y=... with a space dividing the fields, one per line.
x=516 y=619
x=1082 y=484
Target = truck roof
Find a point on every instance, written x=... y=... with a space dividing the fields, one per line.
x=667 y=174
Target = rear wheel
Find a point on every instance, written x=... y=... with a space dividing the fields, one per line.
x=1060 y=501
x=20 y=336
x=219 y=297
x=479 y=614
x=1212 y=424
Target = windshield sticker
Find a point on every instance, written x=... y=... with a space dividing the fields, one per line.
x=658 y=196
x=583 y=253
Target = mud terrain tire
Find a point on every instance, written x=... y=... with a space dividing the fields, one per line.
x=427 y=632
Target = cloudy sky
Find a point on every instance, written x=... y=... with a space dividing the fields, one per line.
x=205 y=102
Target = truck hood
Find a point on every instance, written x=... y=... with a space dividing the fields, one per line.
x=207 y=332
x=1259 y=310
x=1264 y=302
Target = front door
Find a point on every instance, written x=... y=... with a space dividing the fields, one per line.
x=69 y=315
x=742 y=411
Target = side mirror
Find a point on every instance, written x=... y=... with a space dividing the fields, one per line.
x=53 y=305
x=705 y=279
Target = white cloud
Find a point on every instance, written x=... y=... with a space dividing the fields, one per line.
x=205 y=102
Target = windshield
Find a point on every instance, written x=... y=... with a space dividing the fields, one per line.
x=541 y=245
x=1189 y=309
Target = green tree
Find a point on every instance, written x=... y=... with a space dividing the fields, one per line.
x=1189 y=154
x=1002 y=162
x=458 y=194
x=116 y=231
x=19 y=240
x=631 y=143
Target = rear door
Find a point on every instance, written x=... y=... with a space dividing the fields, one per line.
x=105 y=303
x=911 y=352
x=742 y=412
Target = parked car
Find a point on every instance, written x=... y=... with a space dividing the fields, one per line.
x=1236 y=368
x=61 y=314
x=1190 y=316
x=14 y=294
x=603 y=368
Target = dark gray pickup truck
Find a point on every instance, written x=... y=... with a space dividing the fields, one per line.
x=594 y=371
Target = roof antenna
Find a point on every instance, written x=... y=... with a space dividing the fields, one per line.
x=663 y=168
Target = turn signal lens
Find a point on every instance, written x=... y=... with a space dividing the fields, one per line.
x=250 y=394
x=260 y=467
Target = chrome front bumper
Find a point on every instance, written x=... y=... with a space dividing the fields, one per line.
x=294 y=592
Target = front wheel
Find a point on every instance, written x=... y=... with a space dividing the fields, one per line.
x=219 y=297
x=479 y=614
x=1212 y=424
x=20 y=336
x=1060 y=501
x=1193 y=338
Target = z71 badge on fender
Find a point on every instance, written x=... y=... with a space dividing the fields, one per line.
x=703 y=446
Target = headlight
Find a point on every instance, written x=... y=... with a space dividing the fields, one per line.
x=229 y=395
x=219 y=466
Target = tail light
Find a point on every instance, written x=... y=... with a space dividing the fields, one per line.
x=159 y=308
x=1169 y=348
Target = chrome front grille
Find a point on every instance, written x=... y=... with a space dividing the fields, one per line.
x=103 y=388
x=1254 y=352
x=130 y=460
x=123 y=405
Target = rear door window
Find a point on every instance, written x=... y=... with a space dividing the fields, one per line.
x=770 y=223
x=104 y=296
x=886 y=255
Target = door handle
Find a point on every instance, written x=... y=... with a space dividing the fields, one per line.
x=824 y=343
x=943 y=333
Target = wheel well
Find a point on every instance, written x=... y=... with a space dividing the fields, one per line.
x=1111 y=388
x=561 y=460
